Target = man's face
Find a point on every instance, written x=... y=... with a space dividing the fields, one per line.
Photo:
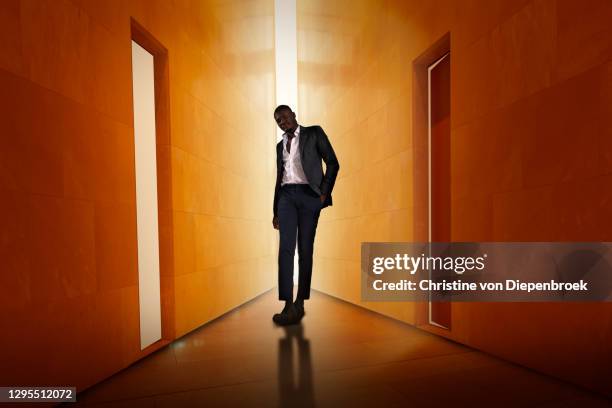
x=285 y=119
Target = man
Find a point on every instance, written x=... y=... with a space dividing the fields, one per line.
x=301 y=191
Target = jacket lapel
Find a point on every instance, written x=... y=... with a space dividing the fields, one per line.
x=303 y=136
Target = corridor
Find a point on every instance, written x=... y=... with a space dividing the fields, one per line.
x=142 y=163
x=341 y=355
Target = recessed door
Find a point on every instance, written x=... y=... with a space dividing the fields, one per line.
x=146 y=195
x=439 y=171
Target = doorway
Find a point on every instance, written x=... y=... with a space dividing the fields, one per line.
x=431 y=171
x=438 y=80
x=153 y=189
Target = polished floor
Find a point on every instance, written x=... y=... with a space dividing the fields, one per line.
x=341 y=355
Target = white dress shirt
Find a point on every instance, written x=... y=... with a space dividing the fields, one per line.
x=292 y=163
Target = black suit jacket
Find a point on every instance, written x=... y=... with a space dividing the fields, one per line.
x=314 y=147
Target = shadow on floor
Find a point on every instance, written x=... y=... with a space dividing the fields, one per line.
x=295 y=383
x=339 y=356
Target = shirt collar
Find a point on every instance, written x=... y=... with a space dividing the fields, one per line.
x=296 y=133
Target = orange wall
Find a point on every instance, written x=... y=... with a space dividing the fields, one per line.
x=69 y=279
x=531 y=143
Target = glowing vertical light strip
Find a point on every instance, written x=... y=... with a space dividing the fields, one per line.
x=149 y=295
x=285 y=42
x=431 y=67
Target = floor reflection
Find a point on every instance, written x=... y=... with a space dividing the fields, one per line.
x=358 y=359
x=295 y=369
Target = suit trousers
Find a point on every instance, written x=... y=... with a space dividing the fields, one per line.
x=299 y=208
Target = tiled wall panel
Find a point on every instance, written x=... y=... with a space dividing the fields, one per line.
x=530 y=150
x=69 y=277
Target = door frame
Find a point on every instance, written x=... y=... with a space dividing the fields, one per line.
x=421 y=161
x=146 y=40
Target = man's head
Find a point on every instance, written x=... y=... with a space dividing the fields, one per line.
x=285 y=118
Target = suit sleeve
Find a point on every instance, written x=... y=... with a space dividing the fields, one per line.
x=332 y=165
x=277 y=185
